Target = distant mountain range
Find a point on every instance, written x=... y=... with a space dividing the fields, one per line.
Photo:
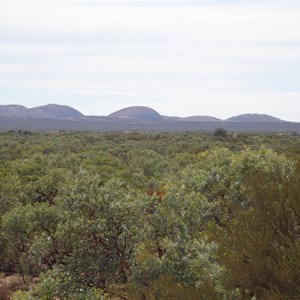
x=143 y=113
x=138 y=113
x=62 y=117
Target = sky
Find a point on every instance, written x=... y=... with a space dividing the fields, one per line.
x=181 y=58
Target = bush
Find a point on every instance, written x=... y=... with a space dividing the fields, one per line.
x=220 y=132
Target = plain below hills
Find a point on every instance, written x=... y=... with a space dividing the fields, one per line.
x=135 y=118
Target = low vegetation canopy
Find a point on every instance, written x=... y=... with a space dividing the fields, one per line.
x=149 y=215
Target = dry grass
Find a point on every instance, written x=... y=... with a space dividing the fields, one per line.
x=10 y=284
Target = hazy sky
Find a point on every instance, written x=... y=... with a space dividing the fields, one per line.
x=182 y=58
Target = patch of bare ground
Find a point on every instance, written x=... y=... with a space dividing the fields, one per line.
x=11 y=283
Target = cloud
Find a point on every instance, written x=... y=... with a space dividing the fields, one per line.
x=221 y=56
x=216 y=22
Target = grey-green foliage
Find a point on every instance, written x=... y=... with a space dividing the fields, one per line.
x=77 y=222
x=28 y=233
x=59 y=284
x=175 y=246
x=220 y=176
x=100 y=224
x=86 y=240
x=32 y=180
x=238 y=213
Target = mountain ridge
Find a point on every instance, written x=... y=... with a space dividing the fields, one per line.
x=131 y=113
x=51 y=111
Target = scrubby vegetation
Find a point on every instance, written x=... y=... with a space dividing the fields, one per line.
x=149 y=216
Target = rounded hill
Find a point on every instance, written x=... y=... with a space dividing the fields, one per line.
x=253 y=118
x=55 y=111
x=141 y=113
x=50 y=111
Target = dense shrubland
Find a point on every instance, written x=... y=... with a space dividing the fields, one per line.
x=150 y=215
